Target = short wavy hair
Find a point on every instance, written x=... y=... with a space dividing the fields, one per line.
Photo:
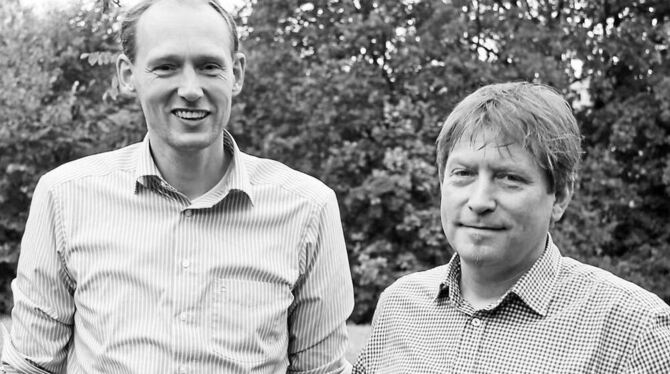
x=128 y=33
x=535 y=116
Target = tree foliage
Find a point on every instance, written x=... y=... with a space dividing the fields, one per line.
x=353 y=92
x=51 y=108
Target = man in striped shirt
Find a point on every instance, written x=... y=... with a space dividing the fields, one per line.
x=508 y=302
x=180 y=254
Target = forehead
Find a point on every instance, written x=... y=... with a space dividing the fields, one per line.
x=171 y=26
x=493 y=147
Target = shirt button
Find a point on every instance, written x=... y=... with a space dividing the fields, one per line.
x=183 y=317
x=186 y=264
x=182 y=370
x=476 y=322
x=188 y=213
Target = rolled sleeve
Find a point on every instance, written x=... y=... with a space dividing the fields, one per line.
x=323 y=297
x=43 y=294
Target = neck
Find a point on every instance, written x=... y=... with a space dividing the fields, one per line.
x=483 y=284
x=192 y=173
x=482 y=287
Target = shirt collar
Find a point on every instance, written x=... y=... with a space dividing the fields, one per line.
x=145 y=169
x=535 y=288
x=450 y=287
x=236 y=177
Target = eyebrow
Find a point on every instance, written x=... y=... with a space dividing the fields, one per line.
x=177 y=57
x=499 y=165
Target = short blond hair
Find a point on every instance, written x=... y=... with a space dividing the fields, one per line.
x=535 y=116
x=131 y=17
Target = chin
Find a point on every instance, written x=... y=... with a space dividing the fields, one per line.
x=478 y=254
x=193 y=142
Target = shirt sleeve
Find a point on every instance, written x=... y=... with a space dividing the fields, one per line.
x=652 y=351
x=323 y=297
x=43 y=294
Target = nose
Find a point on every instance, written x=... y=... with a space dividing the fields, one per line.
x=190 y=88
x=482 y=199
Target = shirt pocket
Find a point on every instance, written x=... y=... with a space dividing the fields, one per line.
x=249 y=320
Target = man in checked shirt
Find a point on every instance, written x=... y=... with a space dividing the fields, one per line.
x=180 y=254
x=508 y=301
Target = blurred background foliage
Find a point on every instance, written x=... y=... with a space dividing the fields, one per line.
x=353 y=92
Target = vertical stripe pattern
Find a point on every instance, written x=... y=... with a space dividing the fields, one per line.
x=120 y=273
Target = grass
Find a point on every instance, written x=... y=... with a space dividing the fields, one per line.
x=4 y=319
x=358 y=335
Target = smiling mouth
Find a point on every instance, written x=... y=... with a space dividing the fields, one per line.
x=190 y=115
x=489 y=228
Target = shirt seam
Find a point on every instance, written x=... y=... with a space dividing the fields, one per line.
x=58 y=184
x=60 y=226
x=250 y=160
x=302 y=243
x=52 y=191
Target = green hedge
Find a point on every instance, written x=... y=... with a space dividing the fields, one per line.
x=354 y=93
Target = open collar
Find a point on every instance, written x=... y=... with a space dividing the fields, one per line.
x=535 y=288
x=236 y=177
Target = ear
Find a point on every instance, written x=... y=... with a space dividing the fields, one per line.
x=239 y=64
x=124 y=73
x=562 y=201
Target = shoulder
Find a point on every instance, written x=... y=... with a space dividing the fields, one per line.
x=424 y=282
x=610 y=293
x=264 y=172
x=634 y=320
x=414 y=290
x=100 y=164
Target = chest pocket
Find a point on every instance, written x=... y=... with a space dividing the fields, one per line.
x=249 y=320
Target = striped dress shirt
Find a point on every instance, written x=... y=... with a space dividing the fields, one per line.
x=561 y=317
x=121 y=273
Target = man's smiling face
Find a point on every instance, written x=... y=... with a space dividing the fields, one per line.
x=185 y=75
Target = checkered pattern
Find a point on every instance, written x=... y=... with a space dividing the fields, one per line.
x=560 y=317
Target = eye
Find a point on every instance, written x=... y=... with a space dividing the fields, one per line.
x=511 y=179
x=163 y=69
x=212 y=68
x=462 y=173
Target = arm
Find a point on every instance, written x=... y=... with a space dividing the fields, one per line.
x=43 y=302
x=652 y=351
x=323 y=297
x=369 y=356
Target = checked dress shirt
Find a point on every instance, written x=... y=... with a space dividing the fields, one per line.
x=561 y=317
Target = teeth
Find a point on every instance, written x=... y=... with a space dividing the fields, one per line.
x=188 y=114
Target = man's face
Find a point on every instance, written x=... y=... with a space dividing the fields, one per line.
x=185 y=75
x=496 y=207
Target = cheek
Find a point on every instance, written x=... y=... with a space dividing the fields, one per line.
x=448 y=207
x=219 y=94
x=533 y=220
x=443 y=211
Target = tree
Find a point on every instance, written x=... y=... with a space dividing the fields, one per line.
x=353 y=92
x=51 y=109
